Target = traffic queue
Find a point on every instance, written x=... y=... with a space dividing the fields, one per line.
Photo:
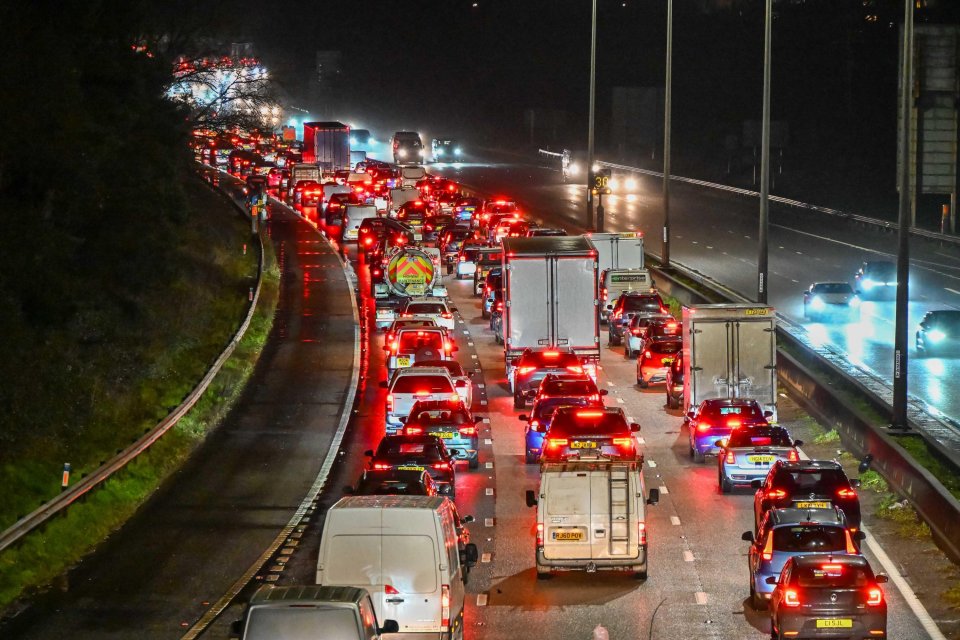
x=545 y=295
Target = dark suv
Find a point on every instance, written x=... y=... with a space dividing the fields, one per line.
x=529 y=370
x=808 y=484
x=628 y=305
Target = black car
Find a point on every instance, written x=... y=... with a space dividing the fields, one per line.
x=876 y=280
x=807 y=484
x=828 y=597
x=939 y=332
x=628 y=305
x=394 y=482
x=529 y=370
x=417 y=453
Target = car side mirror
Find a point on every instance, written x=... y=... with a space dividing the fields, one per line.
x=654 y=497
x=531 y=498
x=467 y=519
x=384 y=385
x=470 y=554
x=798 y=443
x=768 y=414
x=236 y=627
x=772 y=579
x=881 y=578
x=747 y=536
x=720 y=443
x=691 y=414
x=524 y=417
x=348 y=490
x=604 y=392
x=389 y=626
x=634 y=427
x=756 y=484
x=859 y=536
x=855 y=483
x=368 y=453
x=403 y=419
x=514 y=362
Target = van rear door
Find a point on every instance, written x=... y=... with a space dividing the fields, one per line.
x=613 y=508
x=567 y=520
x=411 y=590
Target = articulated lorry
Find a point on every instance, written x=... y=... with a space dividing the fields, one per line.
x=730 y=351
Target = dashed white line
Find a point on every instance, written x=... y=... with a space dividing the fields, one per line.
x=641 y=441
x=651 y=463
x=470 y=344
x=487 y=441
x=489 y=491
x=620 y=400
x=488 y=522
x=474 y=356
x=675 y=521
x=688 y=556
x=488 y=465
x=952 y=290
x=485 y=557
x=701 y=597
x=663 y=490
x=480 y=385
x=481 y=599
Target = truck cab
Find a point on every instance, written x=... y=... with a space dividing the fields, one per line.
x=591 y=515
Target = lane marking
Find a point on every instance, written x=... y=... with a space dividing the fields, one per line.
x=701 y=598
x=489 y=491
x=483 y=402
x=474 y=356
x=470 y=344
x=481 y=599
x=620 y=400
x=911 y=598
x=651 y=463
x=481 y=385
x=641 y=441
x=663 y=490
x=675 y=521
x=688 y=556
x=487 y=441
x=485 y=557
x=487 y=421
x=488 y=522
x=952 y=290
x=489 y=465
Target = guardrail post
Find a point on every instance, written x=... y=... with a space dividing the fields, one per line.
x=65 y=478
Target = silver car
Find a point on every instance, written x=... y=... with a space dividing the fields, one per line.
x=831 y=301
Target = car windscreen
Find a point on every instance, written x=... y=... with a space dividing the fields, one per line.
x=945 y=320
x=586 y=421
x=426 y=308
x=831 y=576
x=394 y=448
x=646 y=304
x=416 y=340
x=425 y=384
x=760 y=437
x=832 y=287
x=666 y=347
x=809 y=538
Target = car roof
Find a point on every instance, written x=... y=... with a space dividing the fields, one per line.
x=422 y=371
x=427 y=299
x=403 y=437
x=808 y=559
x=791 y=516
x=306 y=593
x=800 y=465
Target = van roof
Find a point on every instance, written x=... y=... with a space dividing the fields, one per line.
x=432 y=503
x=307 y=593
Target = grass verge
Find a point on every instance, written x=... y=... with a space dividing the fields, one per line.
x=45 y=554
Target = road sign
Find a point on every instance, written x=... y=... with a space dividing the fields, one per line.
x=600 y=182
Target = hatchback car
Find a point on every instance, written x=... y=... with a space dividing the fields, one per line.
x=411 y=385
x=818 y=597
x=831 y=301
x=464 y=208
x=487 y=258
x=576 y=433
x=938 y=332
x=655 y=360
x=628 y=305
x=466 y=264
x=411 y=345
x=461 y=379
x=876 y=280
x=450 y=421
x=808 y=484
x=394 y=482
x=749 y=452
x=538 y=421
x=785 y=533
x=716 y=418
x=528 y=371
x=492 y=284
x=417 y=453
x=643 y=328
x=439 y=309
x=449 y=244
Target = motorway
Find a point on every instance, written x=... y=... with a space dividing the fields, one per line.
x=159 y=574
x=715 y=233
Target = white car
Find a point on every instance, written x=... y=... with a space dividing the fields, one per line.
x=831 y=301
x=461 y=379
x=437 y=309
x=411 y=384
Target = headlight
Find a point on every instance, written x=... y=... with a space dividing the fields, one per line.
x=817 y=304
x=439 y=152
x=370 y=141
x=402 y=153
x=353 y=140
x=422 y=152
x=456 y=151
x=631 y=184
x=867 y=284
x=935 y=335
x=854 y=301
x=573 y=169
x=614 y=184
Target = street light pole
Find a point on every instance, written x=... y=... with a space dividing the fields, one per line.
x=596 y=225
x=762 y=279
x=667 y=106
x=900 y=346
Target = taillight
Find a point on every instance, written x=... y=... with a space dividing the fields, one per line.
x=395 y=346
x=525 y=370
x=557 y=442
x=575 y=368
x=703 y=427
x=731 y=458
x=445 y=466
x=846 y=494
x=389 y=402
x=874 y=596
x=647 y=354
x=604 y=294
x=390 y=590
x=447 y=315
x=589 y=414
x=767 y=553
x=468 y=431
x=776 y=494
x=791 y=598
x=539 y=534
x=461 y=258
x=454 y=397
x=447 y=346
x=626 y=443
x=534 y=425
x=445 y=605
x=413 y=431
x=381 y=466
x=734 y=423
x=642 y=533
x=793 y=456
x=635 y=332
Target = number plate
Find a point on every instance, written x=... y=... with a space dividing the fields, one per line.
x=812 y=505
x=583 y=444
x=667 y=361
x=567 y=536
x=761 y=458
x=837 y=623
x=443 y=435
x=417 y=237
x=410 y=467
x=403 y=362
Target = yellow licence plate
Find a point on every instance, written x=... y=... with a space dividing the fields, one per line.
x=837 y=623
x=403 y=362
x=443 y=435
x=812 y=505
x=568 y=535
x=761 y=458
x=409 y=467
x=583 y=444
x=667 y=361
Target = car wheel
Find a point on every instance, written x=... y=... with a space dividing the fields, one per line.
x=692 y=454
x=530 y=458
x=757 y=600
x=453 y=493
x=642 y=574
x=725 y=485
x=628 y=354
x=519 y=401
x=643 y=383
x=697 y=456
x=613 y=341
x=474 y=462
x=449 y=269
x=672 y=402
x=543 y=573
x=484 y=314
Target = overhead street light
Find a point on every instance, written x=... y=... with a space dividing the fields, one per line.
x=762 y=270
x=596 y=225
x=667 y=105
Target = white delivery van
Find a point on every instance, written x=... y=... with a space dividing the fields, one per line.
x=353 y=216
x=591 y=515
x=404 y=550
x=614 y=282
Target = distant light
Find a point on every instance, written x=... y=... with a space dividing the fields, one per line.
x=596 y=168
x=631 y=184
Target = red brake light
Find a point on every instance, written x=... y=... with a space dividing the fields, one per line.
x=575 y=368
x=525 y=370
x=539 y=534
x=793 y=456
x=731 y=458
x=642 y=533
x=627 y=443
x=413 y=431
x=390 y=590
x=647 y=354
x=635 y=332
x=846 y=493
x=791 y=598
x=446 y=314
x=734 y=423
x=534 y=425
x=776 y=494
x=767 y=553
x=589 y=414
x=445 y=605
x=558 y=442
x=468 y=431
x=551 y=354
x=441 y=465
x=874 y=596
x=703 y=427
x=389 y=402
x=382 y=466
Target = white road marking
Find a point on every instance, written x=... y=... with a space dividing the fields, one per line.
x=620 y=400
x=488 y=522
x=470 y=344
x=688 y=556
x=651 y=463
x=912 y=600
x=489 y=465
x=709 y=247
x=474 y=356
x=610 y=383
x=641 y=441
x=630 y=419
x=483 y=402
x=465 y=332
x=481 y=385
x=675 y=521
x=701 y=597
x=487 y=441
x=663 y=490
x=485 y=557
x=487 y=420
x=489 y=491
x=952 y=290
x=481 y=599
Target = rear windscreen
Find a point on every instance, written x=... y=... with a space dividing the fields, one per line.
x=415 y=340
x=733 y=411
x=809 y=538
x=585 y=422
x=667 y=347
x=831 y=576
x=302 y=621
x=491 y=258
x=815 y=481
x=760 y=437
x=646 y=304
x=425 y=308
x=422 y=384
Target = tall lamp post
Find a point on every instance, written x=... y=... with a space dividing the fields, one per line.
x=900 y=341
x=667 y=105
x=598 y=224
x=762 y=278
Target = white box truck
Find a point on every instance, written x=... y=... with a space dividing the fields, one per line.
x=618 y=250
x=406 y=552
x=730 y=351
x=590 y=516
x=550 y=296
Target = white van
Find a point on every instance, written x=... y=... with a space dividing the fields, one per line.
x=353 y=216
x=410 y=176
x=404 y=550
x=591 y=515
x=614 y=282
